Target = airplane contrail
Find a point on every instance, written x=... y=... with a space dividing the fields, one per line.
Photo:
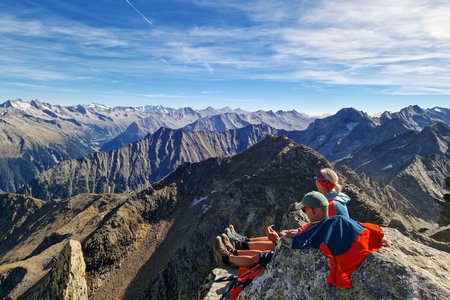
x=137 y=10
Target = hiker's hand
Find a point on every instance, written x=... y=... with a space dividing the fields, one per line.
x=267 y=229
x=272 y=235
x=288 y=233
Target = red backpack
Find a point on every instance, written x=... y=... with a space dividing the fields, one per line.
x=238 y=283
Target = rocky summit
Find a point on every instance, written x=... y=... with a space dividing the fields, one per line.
x=401 y=269
x=158 y=243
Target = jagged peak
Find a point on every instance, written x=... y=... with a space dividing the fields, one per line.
x=350 y=110
x=412 y=109
x=387 y=115
x=349 y=114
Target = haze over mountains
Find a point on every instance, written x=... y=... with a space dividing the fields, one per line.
x=183 y=185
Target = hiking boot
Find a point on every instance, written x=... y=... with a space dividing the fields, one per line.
x=236 y=243
x=237 y=235
x=232 y=229
x=222 y=251
x=226 y=241
x=231 y=236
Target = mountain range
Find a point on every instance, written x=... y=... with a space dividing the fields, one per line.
x=146 y=213
x=36 y=135
x=383 y=148
x=191 y=120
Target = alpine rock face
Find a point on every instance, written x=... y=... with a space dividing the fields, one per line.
x=173 y=119
x=416 y=118
x=141 y=163
x=34 y=135
x=340 y=135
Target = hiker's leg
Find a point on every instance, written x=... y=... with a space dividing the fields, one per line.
x=258 y=238
x=244 y=261
x=261 y=245
x=248 y=252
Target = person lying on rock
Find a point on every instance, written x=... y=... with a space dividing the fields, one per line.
x=342 y=240
x=327 y=183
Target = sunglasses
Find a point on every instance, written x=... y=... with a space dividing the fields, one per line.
x=320 y=177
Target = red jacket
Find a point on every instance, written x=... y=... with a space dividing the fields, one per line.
x=344 y=242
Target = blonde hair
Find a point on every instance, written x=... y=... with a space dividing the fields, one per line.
x=330 y=175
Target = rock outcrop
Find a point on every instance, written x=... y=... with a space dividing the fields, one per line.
x=67 y=279
x=402 y=269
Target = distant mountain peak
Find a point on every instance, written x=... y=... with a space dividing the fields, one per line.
x=98 y=106
x=17 y=103
x=438 y=109
x=412 y=110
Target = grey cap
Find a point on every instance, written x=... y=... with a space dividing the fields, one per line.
x=313 y=199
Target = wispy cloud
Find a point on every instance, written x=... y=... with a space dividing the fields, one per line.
x=416 y=90
x=402 y=44
x=160 y=96
x=28 y=85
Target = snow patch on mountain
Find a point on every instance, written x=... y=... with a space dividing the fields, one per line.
x=198 y=200
x=351 y=125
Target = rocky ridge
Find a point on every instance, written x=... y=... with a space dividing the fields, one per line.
x=136 y=166
x=213 y=120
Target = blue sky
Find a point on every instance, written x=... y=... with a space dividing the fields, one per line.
x=313 y=56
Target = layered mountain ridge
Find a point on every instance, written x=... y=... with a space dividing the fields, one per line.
x=199 y=121
x=36 y=135
x=136 y=166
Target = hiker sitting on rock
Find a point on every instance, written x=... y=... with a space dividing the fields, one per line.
x=345 y=242
x=327 y=183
